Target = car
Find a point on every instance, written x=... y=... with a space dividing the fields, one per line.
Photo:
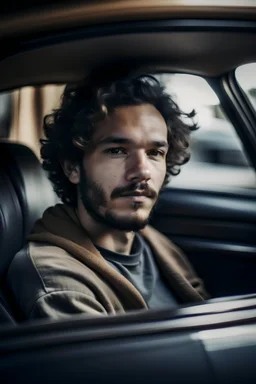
x=209 y=210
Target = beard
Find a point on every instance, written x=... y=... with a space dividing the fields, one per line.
x=93 y=198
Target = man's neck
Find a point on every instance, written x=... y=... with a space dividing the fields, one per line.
x=104 y=236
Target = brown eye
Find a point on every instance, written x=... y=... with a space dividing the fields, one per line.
x=115 y=151
x=155 y=153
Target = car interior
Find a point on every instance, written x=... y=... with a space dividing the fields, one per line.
x=215 y=227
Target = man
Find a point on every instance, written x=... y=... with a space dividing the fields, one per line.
x=109 y=149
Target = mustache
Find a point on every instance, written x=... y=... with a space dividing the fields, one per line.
x=129 y=190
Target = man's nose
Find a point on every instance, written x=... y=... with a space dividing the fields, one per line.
x=138 y=168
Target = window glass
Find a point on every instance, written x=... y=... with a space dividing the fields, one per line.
x=246 y=77
x=217 y=159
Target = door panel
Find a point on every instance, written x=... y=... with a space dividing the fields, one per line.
x=217 y=232
x=214 y=344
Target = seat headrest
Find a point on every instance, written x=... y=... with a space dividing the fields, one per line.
x=33 y=189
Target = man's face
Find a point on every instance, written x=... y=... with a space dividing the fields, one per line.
x=124 y=167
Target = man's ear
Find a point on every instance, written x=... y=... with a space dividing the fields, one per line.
x=72 y=171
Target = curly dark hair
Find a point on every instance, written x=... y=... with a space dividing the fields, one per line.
x=69 y=128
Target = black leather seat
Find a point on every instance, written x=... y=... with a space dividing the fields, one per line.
x=11 y=230
x=25 y=192
x=30 y=182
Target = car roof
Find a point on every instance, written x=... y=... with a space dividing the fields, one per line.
x=61 y=42
x=51 y=14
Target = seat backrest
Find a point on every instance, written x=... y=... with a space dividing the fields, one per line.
x=25 y=192
x=11 y=238
x=11 y=223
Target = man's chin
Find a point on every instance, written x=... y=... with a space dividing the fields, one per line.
x=126 y=224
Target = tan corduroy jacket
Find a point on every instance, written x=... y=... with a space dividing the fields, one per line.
x=60 y=272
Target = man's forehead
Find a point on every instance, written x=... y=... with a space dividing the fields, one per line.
x=132 y=121
x=132 y=113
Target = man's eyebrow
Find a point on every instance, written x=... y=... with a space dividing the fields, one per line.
x=124 y=140
x=159 y=144
x=114 y=140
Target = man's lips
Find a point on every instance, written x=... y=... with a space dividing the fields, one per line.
x=137 y=196
x=136 y=193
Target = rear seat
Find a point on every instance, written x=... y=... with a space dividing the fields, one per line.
x=25 y=192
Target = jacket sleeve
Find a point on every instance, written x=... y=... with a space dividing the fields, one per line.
x=53 y=287
x=63 y=304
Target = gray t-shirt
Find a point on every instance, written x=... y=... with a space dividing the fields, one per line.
x=141 y=270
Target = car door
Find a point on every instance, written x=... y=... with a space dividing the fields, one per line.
x=209 y=210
